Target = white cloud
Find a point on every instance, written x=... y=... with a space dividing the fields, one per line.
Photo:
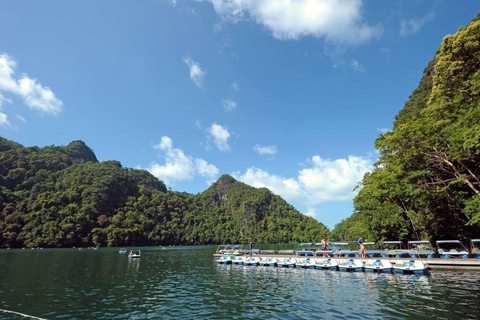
x=33 y=93
x=336 y=21
x=220 y=136
x=4 y=120
x=289 y=188
x=229 y=105
x=323 y=181
x=196 y=72
x=356 y=66
x=179 y=166
x=22 y=119
x=268 y=150
x=408 y=27
x=333 y=180
x=4 y=100
x=206 y=170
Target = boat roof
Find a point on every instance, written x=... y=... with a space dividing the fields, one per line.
x=448 y=241
x=393 y=242
x=339 y=243
x=475 y=241
x=419 y=242
x=369 y=243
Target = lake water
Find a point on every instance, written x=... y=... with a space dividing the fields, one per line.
x=186 y=283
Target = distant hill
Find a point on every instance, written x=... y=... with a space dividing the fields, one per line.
x=426 y=183
x=61 y=196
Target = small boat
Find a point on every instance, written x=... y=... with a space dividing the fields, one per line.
x=122 y=250
x=287 y=262
x=305 y=250
x=252 y=261
x=475 y=248
x=225 y=260
x=327 y=264
x=342 y=249
x=268 y=262
x=134 y=254
x=238 y=260
x=231 y=249
x=396 y=249
x=306 y=263
x=451 y=249
x=351 y=266
x=370 y=251
x=421 y=249
x=379 y=266
x=411 y=267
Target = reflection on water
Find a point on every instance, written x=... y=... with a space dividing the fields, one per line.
x=185 y=282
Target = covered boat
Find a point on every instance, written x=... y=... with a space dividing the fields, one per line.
x=396 y=249
x=379 y=266
x=287 y=262
x=351 y=265
x=305 y=250
x=451 y=249
x=411 y=267
x=326 y=264
x=421 y=249
x=475 y=248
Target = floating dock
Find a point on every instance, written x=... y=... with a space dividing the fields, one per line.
x=434 y=264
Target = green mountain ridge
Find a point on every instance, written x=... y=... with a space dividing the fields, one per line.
x=63 y=197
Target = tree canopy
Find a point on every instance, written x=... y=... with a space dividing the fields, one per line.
x=63 y=197
x=426 y=183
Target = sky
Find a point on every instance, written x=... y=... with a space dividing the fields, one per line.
x=284 y=94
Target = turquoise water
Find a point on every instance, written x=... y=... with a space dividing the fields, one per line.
x=186 y=283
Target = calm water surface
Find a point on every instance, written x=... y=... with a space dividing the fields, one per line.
x=185 y=282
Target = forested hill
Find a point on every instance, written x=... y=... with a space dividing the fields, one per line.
x=61 y=196
x=426 y=183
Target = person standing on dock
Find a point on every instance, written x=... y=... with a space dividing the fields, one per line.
x=323 y=244
x=362 y=247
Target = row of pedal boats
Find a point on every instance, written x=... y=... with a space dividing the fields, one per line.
x=349 y=265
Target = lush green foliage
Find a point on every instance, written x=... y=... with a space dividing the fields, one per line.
x=63 y=197
x=426 y=183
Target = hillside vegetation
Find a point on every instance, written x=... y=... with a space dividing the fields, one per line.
x=426 y=183
x=64 y=197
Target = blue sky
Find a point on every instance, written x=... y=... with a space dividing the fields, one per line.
x=288 y=95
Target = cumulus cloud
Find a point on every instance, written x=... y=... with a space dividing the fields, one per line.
x=4 y=120
x=288 y=188
x=196 y=73
x=30 y=90
x=229 y=105
x=322 y=181
x=220 y=136
x=333 y=180
x=336 y=21
x=179 y=166
x=265 y=150
x=408 y=27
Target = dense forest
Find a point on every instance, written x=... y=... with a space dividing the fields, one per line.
x=62 y=196
x=426 y=182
